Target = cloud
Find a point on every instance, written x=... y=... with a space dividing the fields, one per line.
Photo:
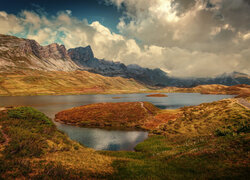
x=183 y=37
x=203 y=32
x=9 y=23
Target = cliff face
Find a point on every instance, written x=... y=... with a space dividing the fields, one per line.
x=25 y=53
x=81 y=55
x=84 y=57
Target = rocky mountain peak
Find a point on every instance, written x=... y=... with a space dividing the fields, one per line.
x=81 y=54
x=19 y=52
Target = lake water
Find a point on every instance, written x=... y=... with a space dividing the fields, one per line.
x=101 y=139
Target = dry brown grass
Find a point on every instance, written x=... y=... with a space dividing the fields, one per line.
x=82 y=159
x=240 y=90
x=31 y=82
x=206 y=118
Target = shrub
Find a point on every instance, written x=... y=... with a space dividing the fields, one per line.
x=29 y=113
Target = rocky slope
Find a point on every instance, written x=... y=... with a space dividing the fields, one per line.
x=24 y=53
x=18 y=54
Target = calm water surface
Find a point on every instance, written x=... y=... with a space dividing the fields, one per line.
x=101 y=139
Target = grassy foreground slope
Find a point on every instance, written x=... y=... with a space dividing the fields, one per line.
x=33 y=82
x=209 y=141
x=32 y=148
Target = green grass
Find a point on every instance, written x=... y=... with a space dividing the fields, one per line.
x=35 y=149
x=28 y=130
x=199 y=158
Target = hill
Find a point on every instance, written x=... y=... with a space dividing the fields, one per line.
x=32 y=148
x=35 y=82
x=240 y=90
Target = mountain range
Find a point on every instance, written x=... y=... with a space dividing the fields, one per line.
x=19 y=54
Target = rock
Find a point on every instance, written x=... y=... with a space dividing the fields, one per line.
x=25 y=53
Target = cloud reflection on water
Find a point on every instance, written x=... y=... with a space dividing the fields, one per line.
x=101 y=139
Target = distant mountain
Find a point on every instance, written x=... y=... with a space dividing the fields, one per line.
x=84 y=57
x=18 y=53
x=228 y=79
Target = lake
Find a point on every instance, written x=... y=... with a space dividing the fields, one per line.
x=102 y=139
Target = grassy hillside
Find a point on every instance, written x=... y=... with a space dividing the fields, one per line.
x=21 y=82
x=32 y=82
x=210 y=141
x=240 y=90
x=31 y=147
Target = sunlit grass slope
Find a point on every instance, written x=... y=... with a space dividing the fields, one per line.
x=32 y=82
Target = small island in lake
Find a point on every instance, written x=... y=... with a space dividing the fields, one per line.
x=117 y=97
x=157 y=95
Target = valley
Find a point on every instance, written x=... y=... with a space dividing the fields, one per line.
x=178 y=128
x=125 y=90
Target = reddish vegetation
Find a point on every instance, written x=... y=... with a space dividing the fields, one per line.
x=161 y=118
x=143 y=115
x=157 y=95
x=123 y=115
x=117 y=97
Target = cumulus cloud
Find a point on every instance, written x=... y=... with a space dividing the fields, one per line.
x=9 y=23
x=183 y=37
x=198 y=32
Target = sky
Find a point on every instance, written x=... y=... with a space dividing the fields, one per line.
x=185 y=38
